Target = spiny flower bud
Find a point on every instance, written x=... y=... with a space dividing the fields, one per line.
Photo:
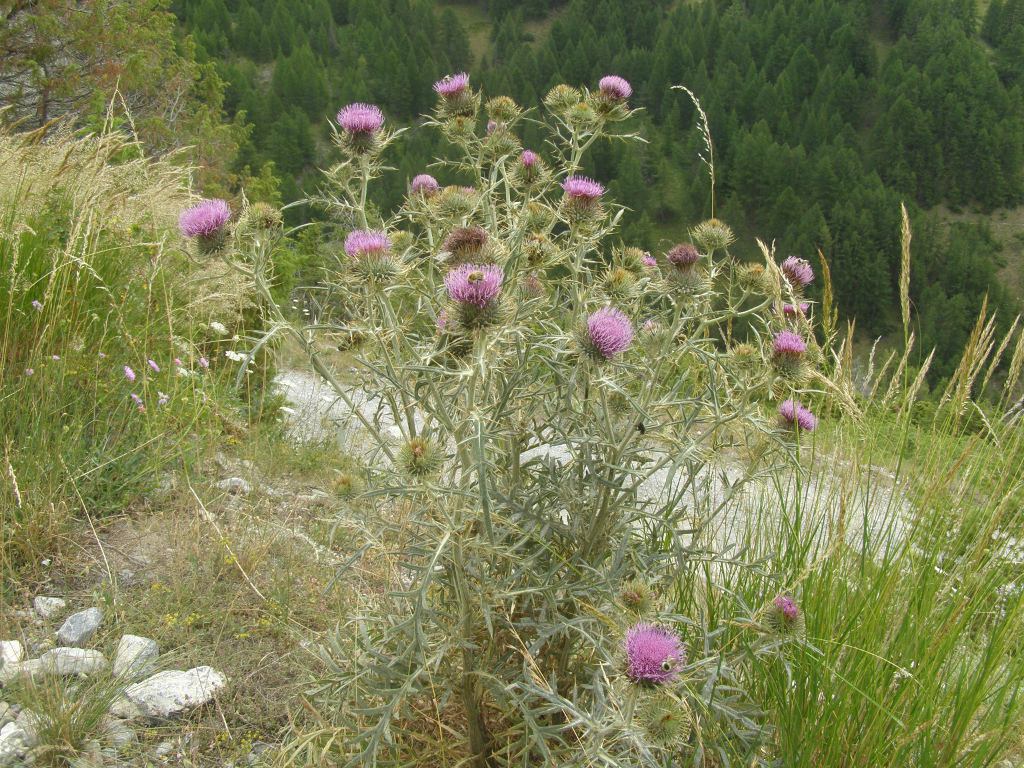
x=262 y=217
x=455 y=97
x=346 y=484
x=456 y=202
x=420 y=458
x=798 y=272
x=582 y=200
x=361 y=126
x=637 y=597
x=752 y=277
x=207 y=225
x=619 y=284
x=561 y=98
x=664 y=720
x=607 y=333
x=713 y=235
x=654 y=654
x=503 y=109
x=793 y=415
x=784 y=617
x=465 y=244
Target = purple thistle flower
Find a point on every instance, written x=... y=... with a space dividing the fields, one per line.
x=797 y=271
x=787 y=607
x=615 y=88
x=367 y=242
x=653 y=654
x=793 y=310
x=37 y=305
x=683 y=255
x=360 y=118
x=529 y=158
x=205 y=219
x=474 y=284
x=204 y=363
x=789 y=344
x=582 y=188
x=452 y=86
x=129 y=373
x=152 y=364
x=794 y=414
x=648 y=260
x=424 y=184
x=610 y=331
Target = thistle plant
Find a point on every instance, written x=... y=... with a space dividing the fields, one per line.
x=554 y=412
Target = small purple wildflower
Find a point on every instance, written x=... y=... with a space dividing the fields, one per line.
x=102 y=355
x=648 y=260
x=424 y=184
x=653 y=654
x=789 y=344
x=129 y=373
x=367 y=242
x=452 y=86
x=615 y=88
x=610 y=331
x=794 y=414
x=360 y=118
x=177 y=362
x=29 y=371
x=797 y=271
x=794 y=310
x=683 y=255
x=582 y=188
x=138 y=402
x=529 y=158
x=205 y=219
x=787 y=607
x=162 y=399
x=650 y=325
x=204 y=363
x=55 y=357
x=37 y=305
x=474 y=284
x=152 y=364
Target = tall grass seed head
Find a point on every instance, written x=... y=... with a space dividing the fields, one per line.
x=664 y=720
x=654 y=655
x=206 y=224
x=713 y=235
x=607 y=333
x=420 y=458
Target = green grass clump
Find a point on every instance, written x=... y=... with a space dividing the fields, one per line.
x=92 y=279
